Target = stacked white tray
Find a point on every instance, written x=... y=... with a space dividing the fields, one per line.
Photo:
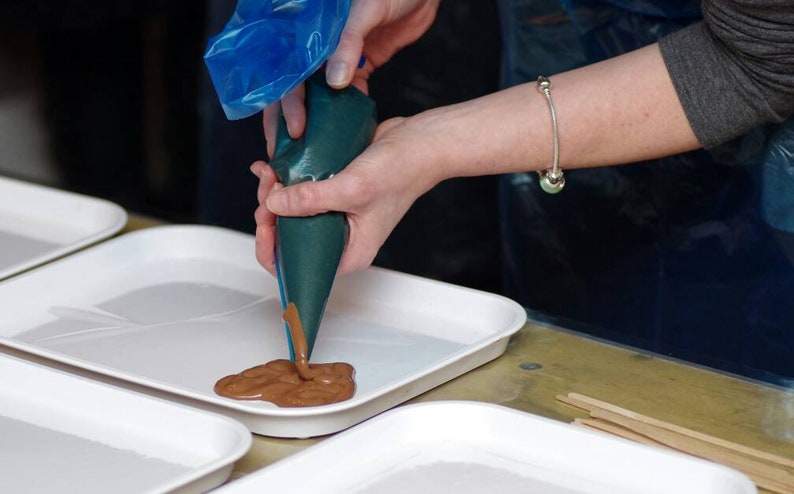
x=118 y=346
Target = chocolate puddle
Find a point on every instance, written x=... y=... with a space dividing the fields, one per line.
x=288 y=384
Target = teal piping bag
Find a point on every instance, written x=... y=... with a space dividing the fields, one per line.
x=339 y=126
x=269 y=47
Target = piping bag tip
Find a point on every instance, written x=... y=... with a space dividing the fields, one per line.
x=308 y=252
x=284 y=306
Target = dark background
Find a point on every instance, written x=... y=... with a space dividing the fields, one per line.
x=677 y=261
x=133 y=118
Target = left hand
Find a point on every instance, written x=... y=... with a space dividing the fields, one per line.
x=375 y=28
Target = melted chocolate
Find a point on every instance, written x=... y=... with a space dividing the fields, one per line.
x=292 y=384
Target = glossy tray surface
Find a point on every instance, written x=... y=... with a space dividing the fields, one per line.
x=471 y=448
x=63 y=433
x=39 y=224
x=170 y=310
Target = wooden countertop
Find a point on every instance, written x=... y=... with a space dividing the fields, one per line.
x=542 y=362
x=732 y=408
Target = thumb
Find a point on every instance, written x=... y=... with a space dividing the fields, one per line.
x=342 y=65
x=309 y=198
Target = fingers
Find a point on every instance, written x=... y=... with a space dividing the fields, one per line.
x=267 y=178
x=292 y=105
x=270 y=116
x=265 y=220
x=264 y=245
x=359 y=252
x=310 y=198
x=342 y=65
x=294 y=110
x=371 y=215
x=305 y=199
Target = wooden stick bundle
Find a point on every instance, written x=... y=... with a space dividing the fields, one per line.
x=768 y=471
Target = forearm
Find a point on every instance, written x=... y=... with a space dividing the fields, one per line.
x=618 y=111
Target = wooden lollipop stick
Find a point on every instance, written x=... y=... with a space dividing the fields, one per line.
x=589 y=404
x=617 y=431
x=768 y=484
x=764 y=475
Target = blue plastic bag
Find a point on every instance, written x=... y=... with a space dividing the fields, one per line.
x=269 y=47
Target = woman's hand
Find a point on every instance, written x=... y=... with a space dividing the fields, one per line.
x=374 y=191
x=375 y=28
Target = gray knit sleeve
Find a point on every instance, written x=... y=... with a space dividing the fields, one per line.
x=734 y=70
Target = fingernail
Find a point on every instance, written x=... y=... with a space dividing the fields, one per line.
x=336 y=74
x=291 y=130
x=256 y=170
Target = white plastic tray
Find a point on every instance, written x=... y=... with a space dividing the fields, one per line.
x=472 y=448
x=39 y=224
x=173 y=309
x=66 y=434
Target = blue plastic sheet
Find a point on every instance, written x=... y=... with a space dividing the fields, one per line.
x=777 y=199
x=270 y=47
x=609 y=27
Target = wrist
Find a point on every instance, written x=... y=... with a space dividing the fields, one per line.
x=504 y=132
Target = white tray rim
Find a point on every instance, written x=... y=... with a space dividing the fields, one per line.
x=210 y=474
x=254 y=481
x=117 y=219
x=343 y=414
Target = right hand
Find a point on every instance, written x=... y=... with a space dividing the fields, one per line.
x=375 y=28
x=374 y=192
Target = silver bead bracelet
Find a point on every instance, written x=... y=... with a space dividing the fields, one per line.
x=552 y=180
